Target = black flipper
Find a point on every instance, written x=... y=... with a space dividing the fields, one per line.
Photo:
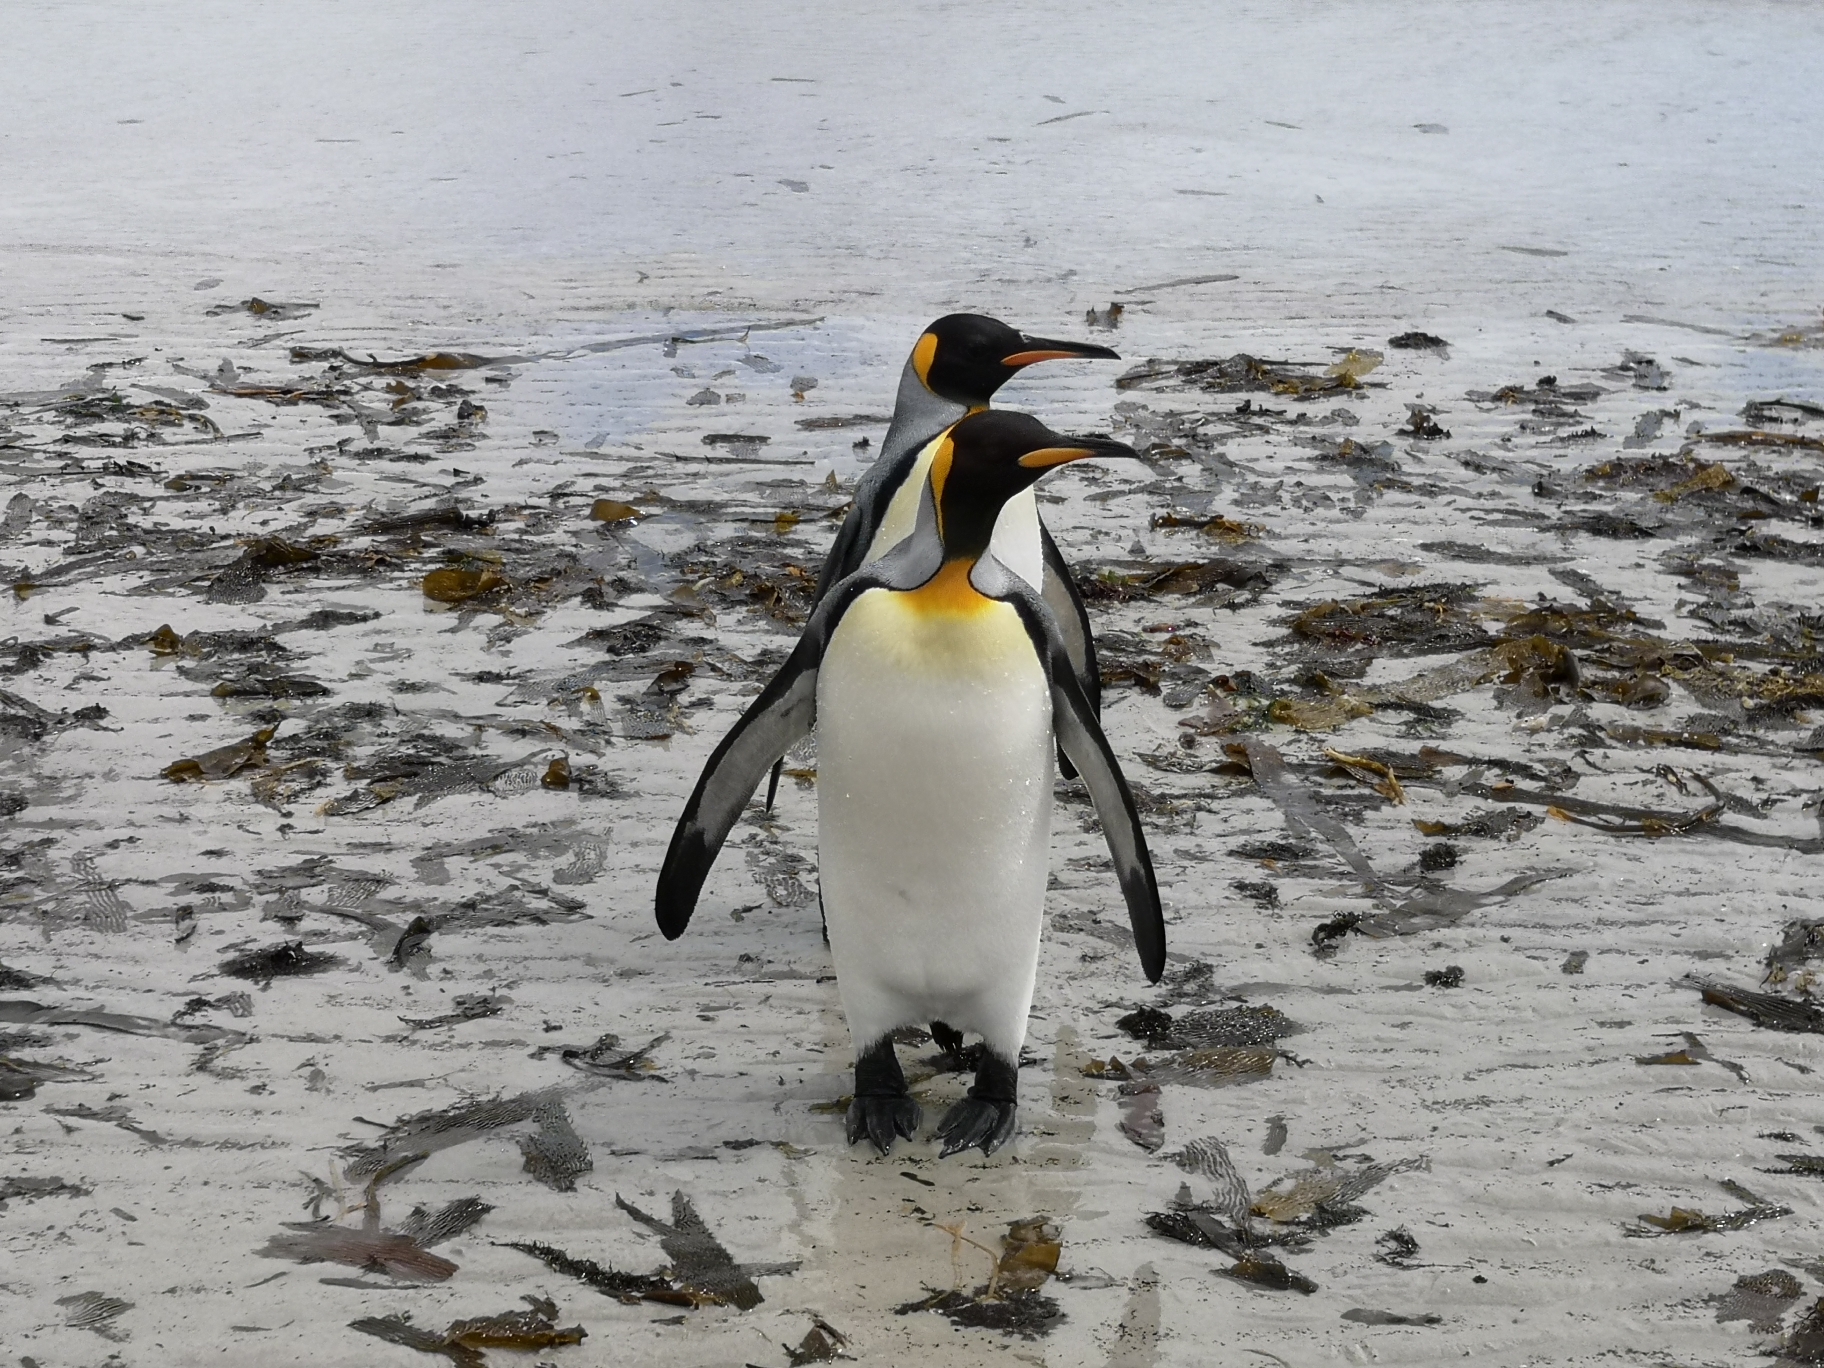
x=777 y=720
x=1060 y=594
x=783 y=714
x=1080 y=736
x=852 y=541
x=882 y=1107
x=987 y=1116
x=1059 y=591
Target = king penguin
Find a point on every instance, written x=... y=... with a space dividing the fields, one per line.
x=955 y=368
x=942 y=689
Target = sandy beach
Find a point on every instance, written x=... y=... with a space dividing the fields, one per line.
x=420 y=432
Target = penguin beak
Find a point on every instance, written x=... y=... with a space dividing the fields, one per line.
x=1078 y=449
x=1046 y=349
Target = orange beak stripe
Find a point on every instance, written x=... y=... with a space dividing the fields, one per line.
x=1052 y=456
x=1026 y=358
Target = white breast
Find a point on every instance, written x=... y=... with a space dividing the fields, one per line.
x=935 y=757
x=1016 y=533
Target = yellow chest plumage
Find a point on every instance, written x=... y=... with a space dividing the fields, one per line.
x=942 y=630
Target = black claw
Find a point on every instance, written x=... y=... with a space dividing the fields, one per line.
x=882 y=1119
x=882 y=1108
x=986 y=1117
x=947 y=1038
x=976 y=1121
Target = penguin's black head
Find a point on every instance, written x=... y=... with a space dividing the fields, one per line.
x=965 y=358
x=987 y=458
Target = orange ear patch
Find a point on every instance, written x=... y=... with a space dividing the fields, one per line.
x=922 y=356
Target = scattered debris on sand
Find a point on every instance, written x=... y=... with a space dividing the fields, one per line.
x=701 y=1273
x=1689 y=1221
x=1760 y=1299
x=1363 y=1316
x=1263 y=1270
x=286 y=960
x=96 y=1311
x=465 y=1340
x=822 y=1343
x=627 y=1287
x=1449 y=682
x=1010 y=1301
x=396 y=1255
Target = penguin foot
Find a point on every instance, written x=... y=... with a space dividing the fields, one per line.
x=976 y=1121
x=954 y=1056
x=882 y=1108
x=883 y=1118
x=947 y=1038
x=984 y=1118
